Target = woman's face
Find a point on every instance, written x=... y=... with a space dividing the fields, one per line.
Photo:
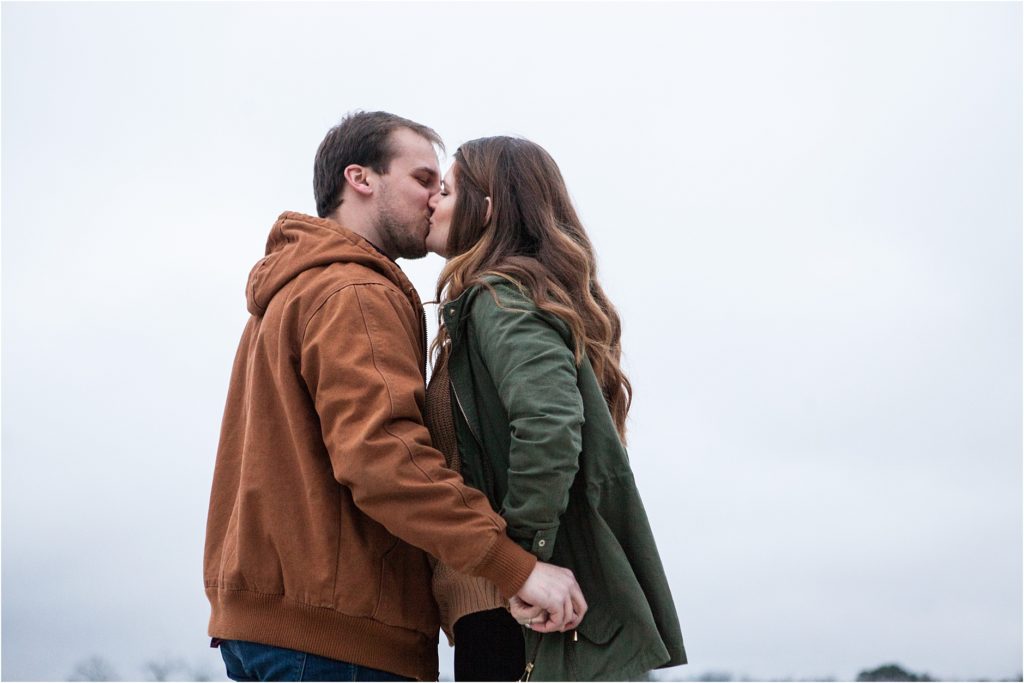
x=443 y=204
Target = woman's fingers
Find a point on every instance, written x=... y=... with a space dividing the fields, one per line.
x=525 y=613
x=579 y=604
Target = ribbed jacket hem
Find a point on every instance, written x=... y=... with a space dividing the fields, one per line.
x=506 y=565
x=280 y=621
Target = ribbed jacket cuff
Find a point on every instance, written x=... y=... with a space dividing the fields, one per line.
x=507 y=566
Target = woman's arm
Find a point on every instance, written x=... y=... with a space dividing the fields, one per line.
x=534 y=371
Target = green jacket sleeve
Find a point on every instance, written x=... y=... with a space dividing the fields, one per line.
x=534 y=371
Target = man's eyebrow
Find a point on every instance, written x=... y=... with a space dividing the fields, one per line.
x=426 y=169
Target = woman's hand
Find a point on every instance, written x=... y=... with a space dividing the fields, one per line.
x=526 y=614
x=550 y=600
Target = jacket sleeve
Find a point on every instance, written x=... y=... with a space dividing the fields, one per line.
x=361 y=358
x=534 y=371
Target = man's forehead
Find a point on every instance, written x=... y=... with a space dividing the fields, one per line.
x=414 y=152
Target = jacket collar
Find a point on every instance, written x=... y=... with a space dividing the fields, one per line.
x=454 y=313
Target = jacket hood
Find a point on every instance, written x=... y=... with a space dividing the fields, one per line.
x=298 y=242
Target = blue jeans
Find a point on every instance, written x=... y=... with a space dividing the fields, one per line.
x=247 y=661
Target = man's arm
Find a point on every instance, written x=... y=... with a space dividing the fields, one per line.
x=360 y=359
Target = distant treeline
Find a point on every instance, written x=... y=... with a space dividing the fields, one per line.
x=885 y=672
x=99 y=669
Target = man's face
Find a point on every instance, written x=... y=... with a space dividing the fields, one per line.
x=403 y=201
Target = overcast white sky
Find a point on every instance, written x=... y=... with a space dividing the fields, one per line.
x=809 y=216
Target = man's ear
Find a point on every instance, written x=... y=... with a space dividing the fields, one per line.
x=487 y=214
x=357 y=177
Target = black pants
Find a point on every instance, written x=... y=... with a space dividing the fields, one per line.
x=489 y=646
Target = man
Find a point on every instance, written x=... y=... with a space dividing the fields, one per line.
x=326 y=490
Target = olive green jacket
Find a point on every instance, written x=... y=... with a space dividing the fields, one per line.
x=536 y=436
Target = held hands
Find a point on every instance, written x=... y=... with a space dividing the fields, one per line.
x=526 y=614
x=549 y=601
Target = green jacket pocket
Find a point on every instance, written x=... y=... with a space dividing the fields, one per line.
x=599 y=627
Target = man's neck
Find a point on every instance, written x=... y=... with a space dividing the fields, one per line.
x=380 y=251
x=360 y=224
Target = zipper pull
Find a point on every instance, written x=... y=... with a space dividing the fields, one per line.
x=575 y=636
x=526 y=674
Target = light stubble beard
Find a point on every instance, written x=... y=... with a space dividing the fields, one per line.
x=400 y=239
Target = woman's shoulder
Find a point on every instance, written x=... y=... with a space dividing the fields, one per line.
x=502 y=303
x=495 y=294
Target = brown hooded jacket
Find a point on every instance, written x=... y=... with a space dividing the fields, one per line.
x=326 y=490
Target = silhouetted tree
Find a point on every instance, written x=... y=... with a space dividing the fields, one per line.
x=165 y=669
x=94 y=668
x=199 y=673
x=890 y=672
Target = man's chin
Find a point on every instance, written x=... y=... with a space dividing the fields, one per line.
x=413 y=251
x=414 y=256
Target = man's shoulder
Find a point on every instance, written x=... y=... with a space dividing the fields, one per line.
x=340 y=276
x=340 y=293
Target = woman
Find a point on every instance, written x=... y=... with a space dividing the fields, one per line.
x=528 y=401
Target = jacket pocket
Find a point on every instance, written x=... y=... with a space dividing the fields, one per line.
x=599 y=627
x=585 y=655
x=405 y=599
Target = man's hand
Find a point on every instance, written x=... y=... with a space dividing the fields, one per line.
x=552 y=595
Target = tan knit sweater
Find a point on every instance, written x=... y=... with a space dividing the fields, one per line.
x=456 y=594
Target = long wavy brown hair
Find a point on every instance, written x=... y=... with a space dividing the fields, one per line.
x=535 y=240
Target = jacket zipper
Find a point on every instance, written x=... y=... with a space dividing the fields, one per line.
x=571 y=659
x=533 y=659
x=530 y=664
x=423 y=313
x=488 y=473
x=463 y=411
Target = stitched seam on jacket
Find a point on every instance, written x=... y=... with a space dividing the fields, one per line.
x=390 y=288
x=330 y=295
x=412 y=458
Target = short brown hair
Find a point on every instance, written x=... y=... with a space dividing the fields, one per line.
x=361 y=138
